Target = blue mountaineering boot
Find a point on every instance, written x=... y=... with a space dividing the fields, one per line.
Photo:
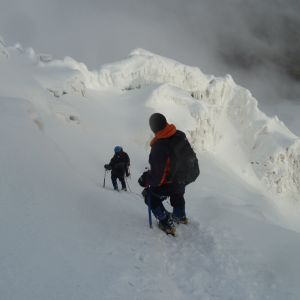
x=123 y=185
x=167 y=214
x=114 y=182
x=167 y=225
x=165 y=221
x=179 y=216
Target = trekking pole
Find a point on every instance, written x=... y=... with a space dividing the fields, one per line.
x=128 y=184
x=129 y=172
x=149 y=210
x=149 y=204
x=104 y=178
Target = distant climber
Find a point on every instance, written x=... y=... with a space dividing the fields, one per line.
x=127 y=171
x=170 y=172
x=119 y=167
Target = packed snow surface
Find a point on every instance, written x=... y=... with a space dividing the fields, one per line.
x=65 y=236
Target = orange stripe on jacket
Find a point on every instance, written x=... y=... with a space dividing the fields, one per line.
x=168 y=131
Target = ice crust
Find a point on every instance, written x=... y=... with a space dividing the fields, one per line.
x=195 y=101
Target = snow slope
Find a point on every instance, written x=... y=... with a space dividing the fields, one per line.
x=67 y=237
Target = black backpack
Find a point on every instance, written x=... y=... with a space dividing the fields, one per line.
x=183 y=161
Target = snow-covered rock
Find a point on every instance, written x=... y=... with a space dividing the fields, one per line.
x=3 y=49
x=44 y=57
x=62 y=83
x=60 y=78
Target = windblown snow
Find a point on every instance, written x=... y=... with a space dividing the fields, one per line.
x=66 y=237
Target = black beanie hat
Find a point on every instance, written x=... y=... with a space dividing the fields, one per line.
x=157 y=122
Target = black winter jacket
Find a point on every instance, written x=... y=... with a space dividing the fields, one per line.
x=160 y=152
x=120 y=161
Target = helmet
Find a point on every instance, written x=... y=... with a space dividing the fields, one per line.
x=117 y=149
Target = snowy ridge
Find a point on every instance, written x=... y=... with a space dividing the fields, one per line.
x=143 y=68
x=199 y=103
x=272 y=149
x=58 y=77
x=29 y=52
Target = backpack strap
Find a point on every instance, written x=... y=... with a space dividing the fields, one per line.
x=173 y=157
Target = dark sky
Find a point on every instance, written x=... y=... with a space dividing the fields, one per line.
x=213 y=35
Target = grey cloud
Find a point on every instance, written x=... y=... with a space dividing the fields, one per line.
x=249 y=39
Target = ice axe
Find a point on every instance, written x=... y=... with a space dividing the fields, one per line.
x=149 y=205
x=149 y=210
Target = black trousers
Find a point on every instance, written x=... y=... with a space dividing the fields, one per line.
x=171 y=190
x=117 y=174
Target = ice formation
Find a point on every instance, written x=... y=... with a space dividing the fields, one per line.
x=144 y=68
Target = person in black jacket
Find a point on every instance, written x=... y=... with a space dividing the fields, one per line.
x=118 y=166
x=157 y=178
x=127 y=172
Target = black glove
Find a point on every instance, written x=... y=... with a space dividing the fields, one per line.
x=143 y=179
x=107 y=167
x=145 y=194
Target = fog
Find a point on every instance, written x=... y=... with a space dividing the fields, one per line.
x=257 y=42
